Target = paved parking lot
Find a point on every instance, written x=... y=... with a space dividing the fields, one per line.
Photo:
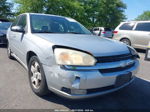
x=15 y=92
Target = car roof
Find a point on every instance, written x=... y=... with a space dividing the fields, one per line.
x=99 y=27
x=136 y=22
x=49 y=15
x=44 y=14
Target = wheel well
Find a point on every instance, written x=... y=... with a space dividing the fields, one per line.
x=29 y=55
x=127 y=39
x=124 y=38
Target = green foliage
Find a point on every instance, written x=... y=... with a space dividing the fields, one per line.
x=70 y=8
x=111 y=13
x=108 y=13
x=144 y=17
x=36 y=6
x=91 y=13
x=5 y=9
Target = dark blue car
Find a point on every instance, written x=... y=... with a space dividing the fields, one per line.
x=4 y=25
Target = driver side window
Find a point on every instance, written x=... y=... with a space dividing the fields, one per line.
x=22 y=21
x=15 y=22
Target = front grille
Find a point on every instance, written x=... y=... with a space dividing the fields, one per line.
x=117 y=69
x=120 y=81
x=105 y=59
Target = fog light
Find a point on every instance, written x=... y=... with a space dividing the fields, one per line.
x=66 y=90
x=78 y=91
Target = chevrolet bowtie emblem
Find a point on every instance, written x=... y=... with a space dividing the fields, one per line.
x=124 y=64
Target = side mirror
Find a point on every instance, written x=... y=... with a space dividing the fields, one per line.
x=17 y=29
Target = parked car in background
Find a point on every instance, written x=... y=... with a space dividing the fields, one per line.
x=63 y=56
x=134 y=33
x=4 y=25
x=103 y=32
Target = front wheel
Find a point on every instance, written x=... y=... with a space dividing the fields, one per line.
x=37 y=77
x=126 y=41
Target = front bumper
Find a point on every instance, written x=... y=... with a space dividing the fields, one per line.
x=58 y=78
x=71 y=96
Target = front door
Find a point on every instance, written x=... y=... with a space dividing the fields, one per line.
x=142 y=35
x=18 y=38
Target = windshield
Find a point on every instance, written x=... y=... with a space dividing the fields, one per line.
x=4 y=25
x=55 y=24
x=107 y=29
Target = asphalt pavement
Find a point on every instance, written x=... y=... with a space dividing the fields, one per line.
x=15 y=92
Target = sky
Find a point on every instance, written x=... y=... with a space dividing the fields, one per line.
x=134 y=7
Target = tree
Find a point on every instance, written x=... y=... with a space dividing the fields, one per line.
x=5 y=9
x=36 y=6
x=91 y=13
x=69 y=8
x=143 y=17
x=111 y=13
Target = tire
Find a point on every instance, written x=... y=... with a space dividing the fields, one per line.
x=37 y=77
x=9 y=53
x=126 y=41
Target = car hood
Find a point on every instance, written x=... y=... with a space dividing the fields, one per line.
x=95 y=45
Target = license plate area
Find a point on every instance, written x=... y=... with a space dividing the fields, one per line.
x=122 y=79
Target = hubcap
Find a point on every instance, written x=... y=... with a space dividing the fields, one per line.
x=36 y=75
x=126 y=42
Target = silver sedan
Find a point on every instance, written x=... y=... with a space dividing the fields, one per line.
x=62 y=56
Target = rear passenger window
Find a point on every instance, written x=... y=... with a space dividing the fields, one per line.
x=108 y=29
x=127 y=26
x=143 y=27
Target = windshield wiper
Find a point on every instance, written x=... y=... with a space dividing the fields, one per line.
x=75 y=32
x=43 y=32
x=58 y=32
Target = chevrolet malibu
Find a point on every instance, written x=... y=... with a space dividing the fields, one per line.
x=63 y=57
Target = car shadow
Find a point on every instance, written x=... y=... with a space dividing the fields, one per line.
x=135 y=96
x=3 y=46
x=141 y=51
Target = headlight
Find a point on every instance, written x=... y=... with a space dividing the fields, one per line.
x=73 y=57
x=133 y=52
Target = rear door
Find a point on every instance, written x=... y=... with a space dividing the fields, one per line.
x=20 y=37
x=142 y=35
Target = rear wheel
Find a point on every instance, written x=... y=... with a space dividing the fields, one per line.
x=126 y=41
x=37 y=77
